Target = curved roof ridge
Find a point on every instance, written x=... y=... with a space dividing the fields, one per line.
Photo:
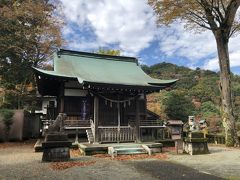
x=95 y=55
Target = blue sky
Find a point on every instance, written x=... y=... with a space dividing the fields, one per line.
x=129 y=25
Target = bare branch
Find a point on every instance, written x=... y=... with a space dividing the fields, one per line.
x=196 y=18
x=208 y=10
x=223 y=6
x=218 y=12
x=230 y=16
x=234 y=29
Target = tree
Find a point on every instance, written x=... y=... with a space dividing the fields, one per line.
x=146 y=69
x=205 y=90
x=178 y=106
x=218 y=16
x=112 y=52
x=209 y=109
x=30 y=30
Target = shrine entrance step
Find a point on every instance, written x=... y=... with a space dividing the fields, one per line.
x=122 y=150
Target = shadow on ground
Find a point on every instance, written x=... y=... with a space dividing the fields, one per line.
x=167 y=171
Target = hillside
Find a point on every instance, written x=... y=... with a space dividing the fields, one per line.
x=196 y=93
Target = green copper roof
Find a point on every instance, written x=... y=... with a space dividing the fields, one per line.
x=94 y=68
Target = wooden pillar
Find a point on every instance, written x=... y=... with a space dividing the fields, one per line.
x=145 y=106
x=119 y=121
x=137 y=120
x=61 y=98
x=61 y=104
x=96 y=116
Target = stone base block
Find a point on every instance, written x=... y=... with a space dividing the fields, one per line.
x=194 y=148
x=155 y=147
x=56 y=154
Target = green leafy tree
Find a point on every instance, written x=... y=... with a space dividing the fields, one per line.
x=204 y=91
x=218 y=16
x=30 y=30
x=146 y=69
x=209 y=109
x=178 y=105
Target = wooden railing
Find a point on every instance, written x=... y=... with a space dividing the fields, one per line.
x=77 y=123
x=151 y=123
x=116 y=134
x=92 y=127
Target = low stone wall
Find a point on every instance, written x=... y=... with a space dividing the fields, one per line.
x=16 y=131
x=23 y=127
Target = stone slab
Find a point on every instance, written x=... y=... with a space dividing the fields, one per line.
x=196 y=140
x=55 y=144
x=155 y=145
x=56 y=137
x=196 y=135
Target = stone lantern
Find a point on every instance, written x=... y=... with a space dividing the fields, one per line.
x=196 y=141
x=176 y=128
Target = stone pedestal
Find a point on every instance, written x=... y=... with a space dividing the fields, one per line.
x=195 y=143
x=56 y=147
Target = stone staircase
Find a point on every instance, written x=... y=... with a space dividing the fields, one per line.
x=133 y=149
x=90 y=135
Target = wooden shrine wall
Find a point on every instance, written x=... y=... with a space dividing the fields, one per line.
x=73 y=107
x=108 y=112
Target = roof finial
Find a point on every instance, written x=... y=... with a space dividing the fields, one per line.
x=58 y=52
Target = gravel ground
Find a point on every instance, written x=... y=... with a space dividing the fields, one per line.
x=19 y=161
x=222 y=161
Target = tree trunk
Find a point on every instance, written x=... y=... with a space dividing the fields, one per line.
x=231 y=138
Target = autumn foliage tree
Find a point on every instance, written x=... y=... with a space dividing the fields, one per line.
x=112 y=52
x=29 y=31
x=220 y=17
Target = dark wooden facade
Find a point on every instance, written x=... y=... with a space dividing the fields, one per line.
x=111 y=112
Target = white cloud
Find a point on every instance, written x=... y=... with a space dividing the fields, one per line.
x=198 y=48
x=129 y=24
x=175 y=40
x=212 y=64
x=234 y=55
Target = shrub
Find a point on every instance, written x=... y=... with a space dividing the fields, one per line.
x=7 y=118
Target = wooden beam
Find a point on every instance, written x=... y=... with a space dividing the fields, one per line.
x=96 y=116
